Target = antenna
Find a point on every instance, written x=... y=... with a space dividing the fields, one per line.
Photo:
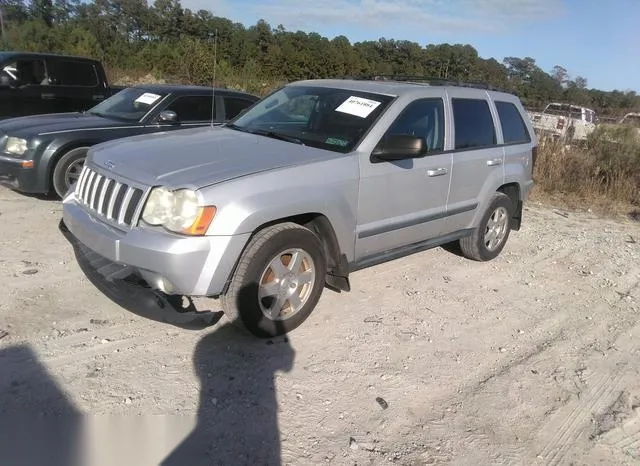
x=213 y=84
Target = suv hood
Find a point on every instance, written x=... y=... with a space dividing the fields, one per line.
x=199 y=157
x=33 y=125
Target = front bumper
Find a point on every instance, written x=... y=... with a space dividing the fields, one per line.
x=15 y=175
x=191 y=266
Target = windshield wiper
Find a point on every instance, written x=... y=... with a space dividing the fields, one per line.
x=98 y=114
x=237 y=128
x=274 y=135
x=267 y=133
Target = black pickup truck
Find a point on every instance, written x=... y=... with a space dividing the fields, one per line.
x=38 y=83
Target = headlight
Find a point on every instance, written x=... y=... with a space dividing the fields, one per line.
x=158 y=207
x=15 y=146
x=178 y=211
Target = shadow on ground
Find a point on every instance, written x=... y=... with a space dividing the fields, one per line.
x=38 y=423
x=238 y=411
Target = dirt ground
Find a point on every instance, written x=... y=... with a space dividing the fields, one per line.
x=532 y=358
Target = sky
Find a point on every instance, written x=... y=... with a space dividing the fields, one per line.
x=596 y=39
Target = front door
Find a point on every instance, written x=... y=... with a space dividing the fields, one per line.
x=192 y=111
x=403 y=202
x=21 y=89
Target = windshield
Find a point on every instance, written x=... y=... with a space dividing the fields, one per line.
x=130 y=104
x=328 y=118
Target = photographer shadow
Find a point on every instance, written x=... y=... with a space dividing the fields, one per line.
x=38 y=424
x=238 y=411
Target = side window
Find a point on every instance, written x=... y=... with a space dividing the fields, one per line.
x=514 y=129
x=192 y=108
x=25 y=71
x=473 y=124
x=73 y=73
x=423 y=118
x=234 y=105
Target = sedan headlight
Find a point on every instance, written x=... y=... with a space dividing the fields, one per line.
x=15 y=146
x=178 y=211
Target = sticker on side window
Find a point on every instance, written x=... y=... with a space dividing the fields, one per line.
x=148 y=98
x=358 y=106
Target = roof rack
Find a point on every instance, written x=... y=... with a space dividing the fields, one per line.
x=430 y=80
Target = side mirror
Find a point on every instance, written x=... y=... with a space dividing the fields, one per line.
x=400 y=147
x=168 y=116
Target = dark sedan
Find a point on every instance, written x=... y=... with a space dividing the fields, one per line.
x=44 y=153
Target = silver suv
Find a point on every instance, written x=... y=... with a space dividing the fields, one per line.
x=317 y=180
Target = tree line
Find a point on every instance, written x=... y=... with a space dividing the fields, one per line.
x=177 y=44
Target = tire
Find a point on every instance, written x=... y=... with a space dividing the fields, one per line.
x=67 y=169
x=476 y=246
x=251 y=301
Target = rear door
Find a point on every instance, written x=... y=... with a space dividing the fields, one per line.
x=478 y=159
x=74 y=84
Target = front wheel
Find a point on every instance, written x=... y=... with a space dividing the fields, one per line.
x=278 y=281
x=67 y=170
x=488 y=240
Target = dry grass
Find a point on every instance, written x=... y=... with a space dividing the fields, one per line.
x=603 y=174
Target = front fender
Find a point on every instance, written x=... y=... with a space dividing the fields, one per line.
x=329 y=188
x=56 y=149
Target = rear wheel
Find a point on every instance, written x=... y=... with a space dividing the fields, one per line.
x=278 y=281
x=67 y=170
x=487 y=241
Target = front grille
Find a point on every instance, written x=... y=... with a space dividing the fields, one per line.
x=114 y=201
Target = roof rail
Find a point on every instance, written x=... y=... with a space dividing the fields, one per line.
x=430 y=80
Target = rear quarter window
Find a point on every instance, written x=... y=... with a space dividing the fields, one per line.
x=473 y=124
x=514 y=130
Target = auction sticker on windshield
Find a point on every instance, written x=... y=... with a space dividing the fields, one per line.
x=358 y=106
x=148 y=98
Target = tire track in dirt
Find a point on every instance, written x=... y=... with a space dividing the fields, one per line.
x=625 y=438
x=607 y=378
x=571 y=421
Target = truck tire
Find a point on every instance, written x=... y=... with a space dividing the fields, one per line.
x=488 y=239
x=67 y=170
x=277 y=282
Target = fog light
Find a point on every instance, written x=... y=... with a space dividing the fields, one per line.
x=157 y=282
x=165 y=286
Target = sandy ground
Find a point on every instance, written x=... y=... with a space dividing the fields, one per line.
x=532 y=358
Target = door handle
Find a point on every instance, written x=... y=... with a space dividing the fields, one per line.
x=437 y=172
x=493 y=162
x=48 y=96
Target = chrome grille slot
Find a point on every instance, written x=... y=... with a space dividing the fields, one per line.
x=108 y=198
x=81 y=180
